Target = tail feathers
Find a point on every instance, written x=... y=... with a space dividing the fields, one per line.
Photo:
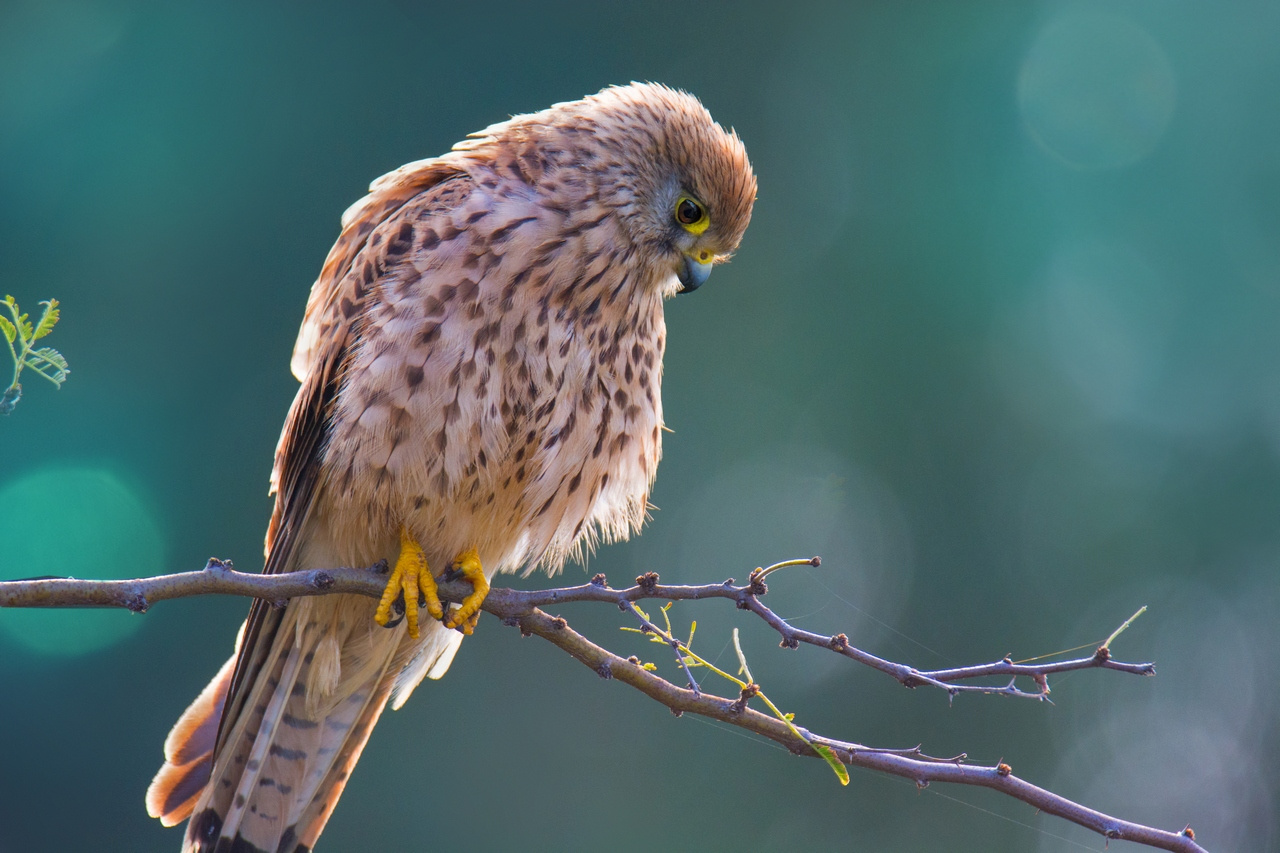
x=311 y=813
x=286 y=754
x=188 y=753
x=283 y=765
x=262 y=755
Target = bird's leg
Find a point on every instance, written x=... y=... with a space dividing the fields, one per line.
x=409 y=577
x=467 y=614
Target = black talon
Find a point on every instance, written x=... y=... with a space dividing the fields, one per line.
x=397 y=611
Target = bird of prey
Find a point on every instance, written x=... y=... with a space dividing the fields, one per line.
x=480 y=365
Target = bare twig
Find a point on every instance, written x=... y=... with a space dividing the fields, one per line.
x=522 y=609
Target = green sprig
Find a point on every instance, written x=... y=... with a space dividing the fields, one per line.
x=21 y=334
x=749 y=689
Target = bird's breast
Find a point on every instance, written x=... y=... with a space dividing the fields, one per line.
x=523 y=425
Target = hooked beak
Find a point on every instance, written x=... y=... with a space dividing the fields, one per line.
x=692 y=274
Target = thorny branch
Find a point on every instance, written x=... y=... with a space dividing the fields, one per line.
x=522 y=609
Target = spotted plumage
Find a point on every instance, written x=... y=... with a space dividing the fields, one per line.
x=480 y=362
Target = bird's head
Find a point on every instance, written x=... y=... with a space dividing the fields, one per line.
x=682 y=183
x=678 y=185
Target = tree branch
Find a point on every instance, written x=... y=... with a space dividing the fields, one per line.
x=522 y=609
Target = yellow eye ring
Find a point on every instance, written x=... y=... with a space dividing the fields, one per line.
x=691 y=215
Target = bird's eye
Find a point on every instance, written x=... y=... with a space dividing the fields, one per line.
x=691 y=215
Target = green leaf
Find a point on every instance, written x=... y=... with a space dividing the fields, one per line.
x=24 y=328
x=9 y=330
x=49 y=363
x=842 y=772
x=48 y=319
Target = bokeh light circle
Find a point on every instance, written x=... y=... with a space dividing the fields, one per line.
x=78 y=522
x=1096 y=91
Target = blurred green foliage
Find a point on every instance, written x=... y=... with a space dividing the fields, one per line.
x=1000 y=345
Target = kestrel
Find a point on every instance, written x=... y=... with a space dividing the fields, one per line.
x=480 y=361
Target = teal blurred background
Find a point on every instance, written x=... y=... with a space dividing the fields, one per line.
x=1000 y=345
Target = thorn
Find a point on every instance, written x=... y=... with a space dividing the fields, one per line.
x=740 y=704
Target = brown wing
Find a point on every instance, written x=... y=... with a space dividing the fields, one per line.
x=328 y=330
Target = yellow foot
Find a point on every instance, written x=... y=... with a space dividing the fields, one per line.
x=408 y=578
x=465 y=616
x=413 y=581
